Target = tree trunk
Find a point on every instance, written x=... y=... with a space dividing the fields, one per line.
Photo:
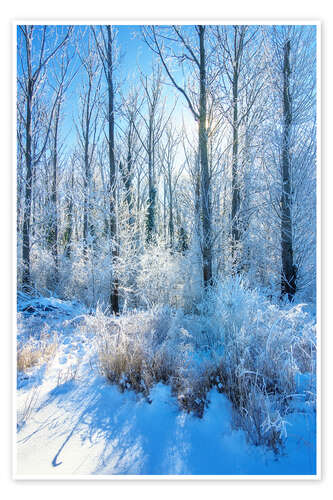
x=26 y=278
x=151 y=186
x=128 y=185
x=31 y=80
x=54 y=219
x=235 y=205
x=288 y=278
x=205 y=178
x=86 y=182
x=69 y=230
x=114 y=299
x=127 y=180
x=171 y=222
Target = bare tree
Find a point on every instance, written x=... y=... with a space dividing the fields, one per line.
x=33 y=60
x=292 y=51
x=106 y=45
x=131 y=105
x=165 y=45
x=154 y=121
x=68 y=235
x=167 y=153
x=62 y=75
x=241 y=80
x=89 y=129
x=288 y=282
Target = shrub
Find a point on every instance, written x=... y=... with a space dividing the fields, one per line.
x=42 y=270
x=36 y=351
x=159 y=279
x=87 y=278
x=244 y=345
x=141 y=349
x=265 y=348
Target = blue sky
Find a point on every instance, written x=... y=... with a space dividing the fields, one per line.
x=134 y=54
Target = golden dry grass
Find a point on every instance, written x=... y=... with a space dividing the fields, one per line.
x=33 y=354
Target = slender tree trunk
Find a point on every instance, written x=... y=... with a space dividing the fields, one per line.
x=205 y=178
x=288 y=278
x=114 y=293
x=165 y=208
x=69 y=229
x=138 y=195
x=20 y=161
x=26 y=278
x=86 y=182
x=245 y=220
x=128 y=185
x=54 y=220
x=171 y=222
x=127 y=180
x=238 y=44
x=30 y=83
x=235 y=205
x=151 y=186
x=197 y=201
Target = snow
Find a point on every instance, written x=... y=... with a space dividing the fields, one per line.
x=92 y=428
x=78 y=423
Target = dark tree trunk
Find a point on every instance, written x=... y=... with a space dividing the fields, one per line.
x=114 y=293
x=127 y=180
x=288 y=278
x=151 y=186
x=239 y=34
x=165 y=209
x=26 y=278
x=54 y=218
x=31 y=82
x=171 y=222
x=128 y=185
x=205 y=178
x=86 y=182
x=235 y=205
x=69 y=230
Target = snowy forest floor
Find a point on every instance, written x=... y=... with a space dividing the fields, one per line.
x=72 y=420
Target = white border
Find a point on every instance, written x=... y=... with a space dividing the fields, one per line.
x=122 y=477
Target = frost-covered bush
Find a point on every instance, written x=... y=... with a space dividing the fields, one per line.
x=159 y=279
x=36 y=350
x=140 y=349
x=42 y=270
x=128 y=348
x=147 y=276
x=86 y=277
x=191 y=265
x=156 y=275
x=265 y=348
x=251 y=349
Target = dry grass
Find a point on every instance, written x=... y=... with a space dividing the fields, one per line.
x=140 y=350
x=30 y=404
x=34 y=353
x=130 y=366
x=68 y=374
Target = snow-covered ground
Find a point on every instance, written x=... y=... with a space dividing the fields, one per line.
x=71 y=421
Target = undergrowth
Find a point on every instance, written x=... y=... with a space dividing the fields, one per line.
x=36 y=351
x=247 y=347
